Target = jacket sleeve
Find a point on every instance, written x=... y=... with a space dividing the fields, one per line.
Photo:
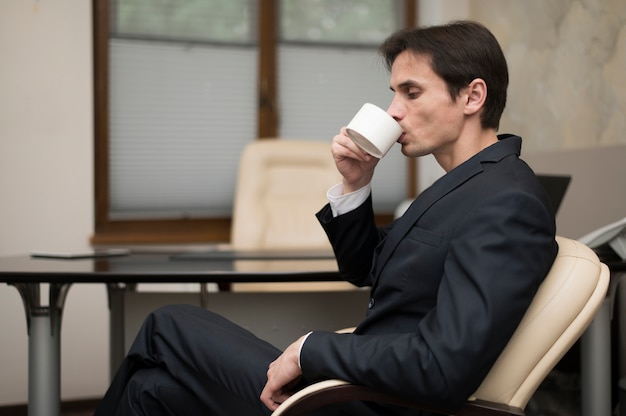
x=497 y=257
x=354 y=237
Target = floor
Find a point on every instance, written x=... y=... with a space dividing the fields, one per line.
x=559 y=395
x=74 y=408
x=84 y=412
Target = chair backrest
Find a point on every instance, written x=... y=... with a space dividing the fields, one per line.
x=562 y=309
x=281 y=184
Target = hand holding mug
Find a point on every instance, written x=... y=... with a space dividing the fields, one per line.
x=373 y=130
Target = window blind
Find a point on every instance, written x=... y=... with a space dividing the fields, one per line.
x=322 y=88
x=183 y=98
x=180 y=116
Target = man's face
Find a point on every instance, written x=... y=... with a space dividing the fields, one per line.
x=431 y=122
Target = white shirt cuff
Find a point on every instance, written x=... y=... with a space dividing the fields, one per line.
x=341 y=204
x=300 y=350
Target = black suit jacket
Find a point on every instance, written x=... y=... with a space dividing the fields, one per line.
x=450 y=280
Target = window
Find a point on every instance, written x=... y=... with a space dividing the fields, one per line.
x=215 y=21
x=349 y=22
x=182 y=87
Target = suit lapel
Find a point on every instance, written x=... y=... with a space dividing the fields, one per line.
x=421 y=204
x=439 y=189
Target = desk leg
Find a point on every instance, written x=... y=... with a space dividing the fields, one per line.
x=44 y=347
x=116 y=327
x=596 y=364
x=44 y=373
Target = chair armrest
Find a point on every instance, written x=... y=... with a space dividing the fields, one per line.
x=346 y=330
x=329 y=392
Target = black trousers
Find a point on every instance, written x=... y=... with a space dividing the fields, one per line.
x=186 y=360
x=189 y=361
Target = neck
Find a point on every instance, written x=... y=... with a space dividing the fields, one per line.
x=465 y=147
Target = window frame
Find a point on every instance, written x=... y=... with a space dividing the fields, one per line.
x=193 y=230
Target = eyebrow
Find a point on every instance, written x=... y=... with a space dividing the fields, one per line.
x=406 y=84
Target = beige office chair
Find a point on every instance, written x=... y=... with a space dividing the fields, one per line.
x=281 y=185
x=563 y=308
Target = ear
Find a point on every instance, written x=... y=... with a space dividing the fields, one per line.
x=476 y=96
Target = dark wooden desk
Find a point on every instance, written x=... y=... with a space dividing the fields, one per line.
x=27 y=274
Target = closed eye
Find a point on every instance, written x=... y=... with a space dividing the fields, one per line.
x=412 y=94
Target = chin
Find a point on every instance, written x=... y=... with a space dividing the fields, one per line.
x=406 y=151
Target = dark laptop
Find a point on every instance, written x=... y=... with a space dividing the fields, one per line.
x=555 y=186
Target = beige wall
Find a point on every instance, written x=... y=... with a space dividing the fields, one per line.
x=567 y=95
x=567 y=98
x=567 y=60
x=46 y=185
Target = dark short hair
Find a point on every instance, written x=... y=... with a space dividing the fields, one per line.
x=460 y=52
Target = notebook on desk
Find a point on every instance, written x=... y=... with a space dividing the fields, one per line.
x=87 y=254
x=555 y=186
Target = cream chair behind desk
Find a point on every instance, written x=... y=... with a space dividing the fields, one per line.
x=281 y=185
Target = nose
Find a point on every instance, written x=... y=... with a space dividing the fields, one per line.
x=395 y=110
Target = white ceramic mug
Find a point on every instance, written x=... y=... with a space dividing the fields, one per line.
x=373 y=130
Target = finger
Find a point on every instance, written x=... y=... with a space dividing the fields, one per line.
x=358 y=153
x=344 y=147
x=266 y=398
x=273 y=400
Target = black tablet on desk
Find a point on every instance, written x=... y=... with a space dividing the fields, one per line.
x=254 y=255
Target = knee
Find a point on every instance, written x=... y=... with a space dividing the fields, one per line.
x=161 y=319
x=170 y=317
x=170 y=313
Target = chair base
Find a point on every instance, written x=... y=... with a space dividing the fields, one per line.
x=336 y=391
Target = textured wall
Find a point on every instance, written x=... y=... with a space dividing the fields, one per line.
x=567 y=63
x=567 y=97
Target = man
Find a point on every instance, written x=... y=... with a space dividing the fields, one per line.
x=450 y=279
